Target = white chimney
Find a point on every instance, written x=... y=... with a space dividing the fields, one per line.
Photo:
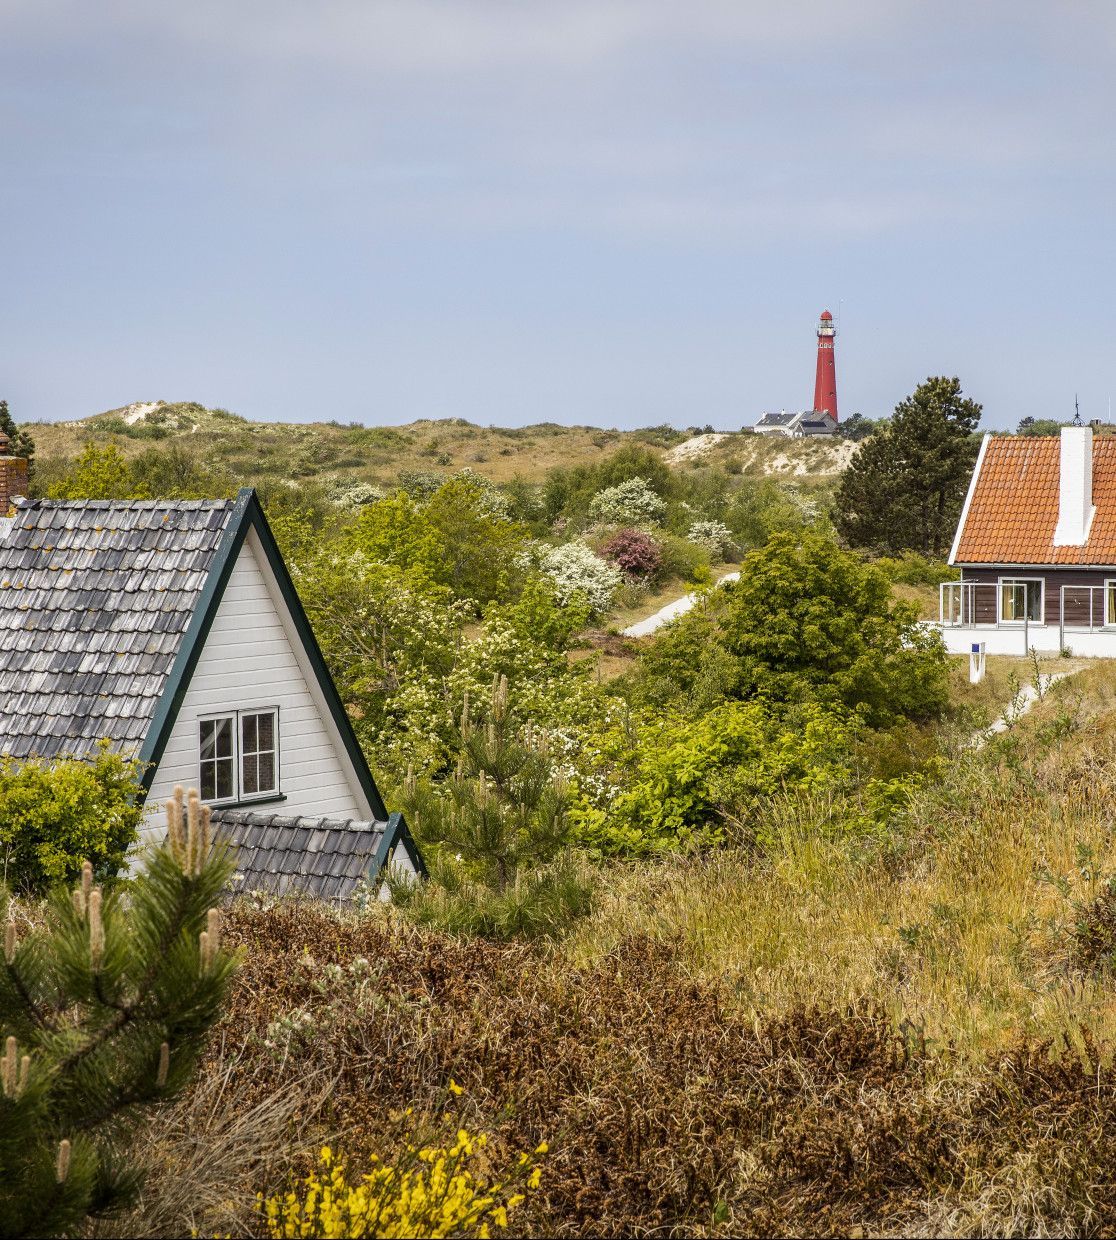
x=1075 y=487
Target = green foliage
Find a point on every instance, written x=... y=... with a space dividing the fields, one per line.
x=539 y=616
x=912 y=569
x=394 y=530
x=55 y=815
x=104 y=1011
x=760 y=508
x=497 y=833
x=569 y=492
x=904 y=488
x=806 y=622
x=99 y=473
x=685 y=559
x=688 y=777
x=19 y=437
x=477 y=547
x=1039 y=426
x=857 y=427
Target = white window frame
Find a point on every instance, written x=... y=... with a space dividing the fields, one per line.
x=1109 y=617
x=1020 y=581
x=239 y=797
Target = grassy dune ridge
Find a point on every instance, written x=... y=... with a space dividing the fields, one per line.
x=377 y=454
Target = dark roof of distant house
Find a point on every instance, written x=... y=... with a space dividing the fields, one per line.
x=777 y=419
x=95 y=597
x=1012 y=510
x=324 y=858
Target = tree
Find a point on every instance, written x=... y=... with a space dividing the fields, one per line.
x=497 y=833
x=857 y=427
x=806 y=622
x=1038 y=426
x=477 y=547
x=104 y=1011
x=904 y=488
x=19 y=437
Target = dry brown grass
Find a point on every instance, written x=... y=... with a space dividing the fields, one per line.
x=669 y=1108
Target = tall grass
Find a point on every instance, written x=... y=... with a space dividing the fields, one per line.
x=961 y=924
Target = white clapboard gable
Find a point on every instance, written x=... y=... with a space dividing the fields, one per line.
x=252 y=657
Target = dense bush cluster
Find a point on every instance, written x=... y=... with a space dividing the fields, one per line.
x=634 y=552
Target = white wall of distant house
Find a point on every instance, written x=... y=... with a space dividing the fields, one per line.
x=253 y=658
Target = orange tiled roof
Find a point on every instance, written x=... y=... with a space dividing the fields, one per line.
x=1014 y=508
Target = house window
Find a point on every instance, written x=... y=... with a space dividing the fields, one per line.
x=258 y=757
x=1110 y=602
x=218 y=761
x=1021 y=599
x=239 y=755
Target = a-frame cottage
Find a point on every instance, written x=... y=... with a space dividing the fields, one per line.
x=173 y=630
x=1036 y=546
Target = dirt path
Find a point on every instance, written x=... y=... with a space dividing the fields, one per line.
x=1027 y=696
x=671 y=611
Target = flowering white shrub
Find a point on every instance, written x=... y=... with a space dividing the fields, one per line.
x=628 y=503
x=715 y=536
x=354 y=495
x=575 y=567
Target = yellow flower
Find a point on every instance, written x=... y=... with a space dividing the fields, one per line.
x=455 y=1089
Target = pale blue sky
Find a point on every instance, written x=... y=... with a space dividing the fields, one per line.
x=618 y=212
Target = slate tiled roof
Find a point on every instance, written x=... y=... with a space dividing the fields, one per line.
x=325 y=858
x=94 y=599
x=1014 y=508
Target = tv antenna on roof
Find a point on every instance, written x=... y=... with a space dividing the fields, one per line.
x=1076 y=411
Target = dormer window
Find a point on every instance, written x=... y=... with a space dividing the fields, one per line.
x=238 y=756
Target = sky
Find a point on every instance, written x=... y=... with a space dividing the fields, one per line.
x=605 y=212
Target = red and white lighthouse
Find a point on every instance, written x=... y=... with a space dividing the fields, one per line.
x=825 y=385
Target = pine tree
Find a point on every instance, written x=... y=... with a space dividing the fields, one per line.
x=904 y=488
x=103 y=1012
x=20 y=438
x=498 y=833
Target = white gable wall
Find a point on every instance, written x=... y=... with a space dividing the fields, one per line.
x=253 y=657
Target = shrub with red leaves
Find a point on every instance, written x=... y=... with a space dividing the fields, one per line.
x=633 y=552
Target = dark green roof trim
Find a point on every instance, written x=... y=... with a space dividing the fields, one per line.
x=397 y=832
x=248 y=514
x=193 y=640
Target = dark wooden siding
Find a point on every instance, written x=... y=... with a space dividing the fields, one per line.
x=1077 y=601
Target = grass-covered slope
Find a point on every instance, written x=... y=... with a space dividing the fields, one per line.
x=377 y=454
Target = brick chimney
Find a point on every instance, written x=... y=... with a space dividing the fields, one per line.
x=13 y=476
x=1075 y=487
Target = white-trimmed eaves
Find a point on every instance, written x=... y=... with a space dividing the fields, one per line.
x=968 y=499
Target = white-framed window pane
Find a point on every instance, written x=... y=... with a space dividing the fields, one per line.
x=258 y=765
x=1021 y=600
x=218 y=765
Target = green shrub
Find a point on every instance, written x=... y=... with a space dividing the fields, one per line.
x=684 y=559
x=54 y=816
x=99 y=473
x=913 y=569
x=688 y=778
